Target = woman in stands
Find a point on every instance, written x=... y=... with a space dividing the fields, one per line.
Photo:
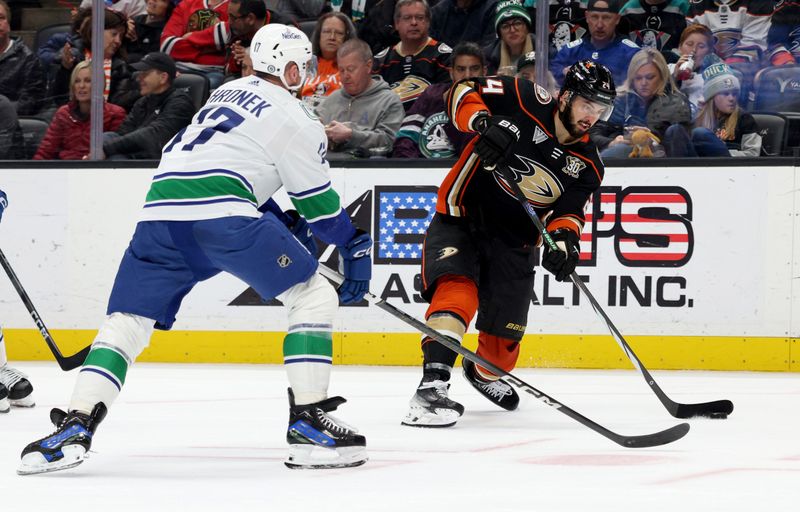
x=67 y=137
x=120 y=88
x=514 y=38
x=144 y=30
x=696 y=49
x=332 y=30
x=722 y=128
x=650 y=104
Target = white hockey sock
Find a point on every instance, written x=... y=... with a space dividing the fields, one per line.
x=307 y=355
x=3 y=357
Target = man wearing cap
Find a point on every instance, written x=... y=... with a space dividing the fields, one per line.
x=453 y=21
x=155 y=117
x=526 y=68
x=513 y=25
x=603 y=45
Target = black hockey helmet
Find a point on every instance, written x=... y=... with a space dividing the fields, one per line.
x=592 y=81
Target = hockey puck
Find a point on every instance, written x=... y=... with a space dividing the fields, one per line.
x=718 y=416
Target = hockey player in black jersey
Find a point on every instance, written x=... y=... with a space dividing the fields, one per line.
x=478 y=253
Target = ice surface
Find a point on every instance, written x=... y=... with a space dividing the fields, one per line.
x=211 y=437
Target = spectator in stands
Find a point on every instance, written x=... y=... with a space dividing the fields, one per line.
x=783 y=38
x=377 y=27
x=603 y=44
x=293 y=11
x=144 y=30
x=245 y=17
x=129 y=8
x=740 y=28
x=21 y=80
x=333 y=29
x=120 y=88
x=417 y=60
x=67 y=137
x=526 y=68
x=696 y=49
x=567 y=22
x=722 y=128
x=453 y=21
x=50 y=52
x=362 y=117
x=10 y=134
x=512 y=24
x=156 y=117
x=426 y=131
x=656 y=23
x=651 y=104
x=196 y=35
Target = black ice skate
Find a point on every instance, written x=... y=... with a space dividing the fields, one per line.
x=5 y=406
x=20 y=390
x=430 y=406
x=67 y=447
x=320 y=441
x=497 y=391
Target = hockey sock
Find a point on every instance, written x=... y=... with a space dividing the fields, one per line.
x=308 y=357
x=100 y=379
x=3 y=358
x=502 y=352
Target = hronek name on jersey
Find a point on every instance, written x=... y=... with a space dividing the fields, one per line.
x=248 y=100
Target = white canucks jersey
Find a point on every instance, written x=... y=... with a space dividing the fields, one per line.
x=249 y=139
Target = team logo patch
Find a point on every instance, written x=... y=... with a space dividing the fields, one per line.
x=433 y=140
x=284 y=261
x=446 y=253
x=202 y=19
x=541 y=94
x=536 y=182
x=574 y=167
x=410 y=88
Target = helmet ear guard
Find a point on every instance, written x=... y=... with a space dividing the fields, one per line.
x=275 y=46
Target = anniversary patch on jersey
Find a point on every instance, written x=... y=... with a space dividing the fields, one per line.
x=433 y=140
x=539 y=186
x=202 y=19
x=574 y=167
x=410 y=88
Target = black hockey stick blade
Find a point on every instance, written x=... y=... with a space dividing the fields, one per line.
x=66 y=363
x=657 y=439
x=719 y=409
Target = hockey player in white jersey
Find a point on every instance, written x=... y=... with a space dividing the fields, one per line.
x=201 y=217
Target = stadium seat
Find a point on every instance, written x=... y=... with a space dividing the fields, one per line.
x=307 y=26
x=33 y=130
x=777 y=89
x=45 y=33
x=195 y=85
x=772 y=128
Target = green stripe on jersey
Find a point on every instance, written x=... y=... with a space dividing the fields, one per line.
x=198 y=188
x=325 y=204
x=108 y=360
x=305 y=343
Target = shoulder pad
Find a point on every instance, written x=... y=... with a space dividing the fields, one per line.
x=575 y=43
x=383 y=53
x=630 y=43
x=443 y=48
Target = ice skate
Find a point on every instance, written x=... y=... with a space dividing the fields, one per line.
x=67 y=447
x=20 y=390
x=496 y=391
x=320 y=441
x=431 y=407
x=5 y=405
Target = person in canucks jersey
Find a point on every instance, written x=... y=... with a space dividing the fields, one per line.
x=201 y=217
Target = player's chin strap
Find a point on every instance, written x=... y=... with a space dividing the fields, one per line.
x=66 y=363
x=657 y=439
x=715 y=409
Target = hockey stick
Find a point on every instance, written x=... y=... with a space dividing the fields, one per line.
x=66 y=363
x=657 y=439
x=716 y=409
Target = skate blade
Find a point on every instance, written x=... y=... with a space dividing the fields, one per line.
x=35 y=463
x=26 y=402
x=5 y=406
x=308 y=456
x=419 y=416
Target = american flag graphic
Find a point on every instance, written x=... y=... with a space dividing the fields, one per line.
x=402 y=215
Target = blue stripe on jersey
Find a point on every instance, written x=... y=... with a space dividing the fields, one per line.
x=309 y=192
x=205 y=201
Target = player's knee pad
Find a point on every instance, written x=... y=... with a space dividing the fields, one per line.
x=313 y=301
x=125 y=333
x=502 y=352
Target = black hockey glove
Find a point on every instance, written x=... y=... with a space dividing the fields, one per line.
x=498 y=134
x=562 y=263
x=355 y=262
x=300 y=229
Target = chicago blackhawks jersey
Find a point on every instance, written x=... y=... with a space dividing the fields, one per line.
x=409 y=75
x=196 y=34
x=656 y=26
x=558 y=179
x=739 y=26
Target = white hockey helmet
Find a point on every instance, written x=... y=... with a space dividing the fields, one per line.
x=274 y=46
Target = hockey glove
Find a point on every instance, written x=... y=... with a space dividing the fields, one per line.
x=498 y=134
x=3 y=203
x=301 y=230
x=562 y=263
x=355 y=262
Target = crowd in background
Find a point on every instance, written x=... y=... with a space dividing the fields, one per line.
x=687 y=72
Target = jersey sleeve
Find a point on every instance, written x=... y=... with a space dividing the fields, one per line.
x=469 y=98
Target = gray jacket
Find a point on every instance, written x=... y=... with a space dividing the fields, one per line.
x=374 y=116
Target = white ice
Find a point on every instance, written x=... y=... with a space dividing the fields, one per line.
x=212 y=437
